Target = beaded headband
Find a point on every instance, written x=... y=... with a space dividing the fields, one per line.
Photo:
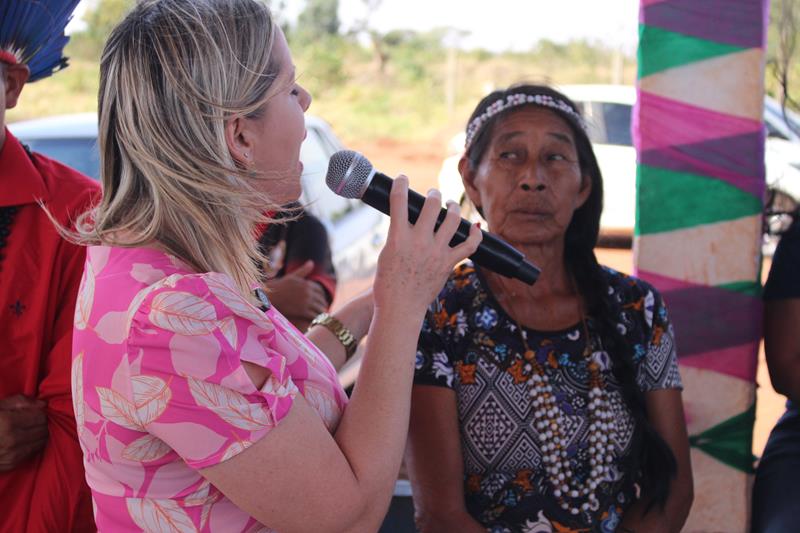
x=7 y=57
x=515 y=100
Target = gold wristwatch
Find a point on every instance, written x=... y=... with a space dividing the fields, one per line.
x=339 y=331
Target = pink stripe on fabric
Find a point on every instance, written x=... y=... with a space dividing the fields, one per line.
x=661 y=282
x=659 y=122
x=736 y=361
x=644 y=4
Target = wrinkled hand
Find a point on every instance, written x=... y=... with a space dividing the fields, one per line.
x=23 y=430
x=416 y=261
x=297 y=297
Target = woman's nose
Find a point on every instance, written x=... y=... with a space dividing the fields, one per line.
x=532 y=181
x=305 y=98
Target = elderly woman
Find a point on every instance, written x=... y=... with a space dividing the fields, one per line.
x=200 y=407
x=557 y=406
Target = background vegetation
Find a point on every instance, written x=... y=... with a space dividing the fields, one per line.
x=401 y=86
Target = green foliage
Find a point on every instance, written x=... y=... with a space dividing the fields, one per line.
x=319 y=20
x=786 y=54
x=321 y=64
x=100 y=20
x=399 y=93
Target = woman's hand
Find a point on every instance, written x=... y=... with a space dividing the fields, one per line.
x=297 y=298
x=416 y=260
x=23 y=430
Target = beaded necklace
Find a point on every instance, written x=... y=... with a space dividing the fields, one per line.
x=573 y=495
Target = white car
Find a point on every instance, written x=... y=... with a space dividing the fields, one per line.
x=356 y=231
x=608 y=110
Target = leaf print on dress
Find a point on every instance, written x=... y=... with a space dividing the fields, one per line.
x=203 y=496
x=159 y=516
x=323 y=404
x=170 y=281
x=233 y=300
x=83 y=305
x=118 y=409
x=146 y=449
x=274 y=387
x=228 y=328
x=298 y=340
x=235 y=449
x=230 y=405
x=77 y=393
x=150 y=396
x=183 y=313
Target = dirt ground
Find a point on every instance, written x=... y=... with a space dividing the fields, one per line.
x=421 y=163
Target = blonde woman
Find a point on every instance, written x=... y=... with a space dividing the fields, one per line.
x=196 y=409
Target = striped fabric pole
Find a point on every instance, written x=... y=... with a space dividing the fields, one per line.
x=699 y=135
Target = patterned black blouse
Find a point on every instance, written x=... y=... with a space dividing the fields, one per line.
x=469 y=344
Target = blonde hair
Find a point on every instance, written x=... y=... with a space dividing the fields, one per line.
x=171 y=74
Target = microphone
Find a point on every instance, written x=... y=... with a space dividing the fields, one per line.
x=351 y=175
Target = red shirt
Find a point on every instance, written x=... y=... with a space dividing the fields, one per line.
x=39 y=277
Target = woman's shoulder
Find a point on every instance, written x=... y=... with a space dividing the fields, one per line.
x=628 y=289
x=461 y=286
x=464 y=276
x=191 y=303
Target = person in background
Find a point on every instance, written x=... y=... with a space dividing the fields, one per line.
x=775 y=492
x=42 y=484
x=300 y=278
x=557 y=406
x=199 y=406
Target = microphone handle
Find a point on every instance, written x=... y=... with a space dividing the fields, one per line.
x=493 y=253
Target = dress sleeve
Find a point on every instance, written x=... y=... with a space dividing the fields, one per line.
x=434 y=364
x=658 y=358
x=187 y=384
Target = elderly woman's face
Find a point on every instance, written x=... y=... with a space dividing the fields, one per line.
x=529 y=181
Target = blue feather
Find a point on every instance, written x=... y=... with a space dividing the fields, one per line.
x=33 y=30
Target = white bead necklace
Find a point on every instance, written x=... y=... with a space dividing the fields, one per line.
x=548 y=420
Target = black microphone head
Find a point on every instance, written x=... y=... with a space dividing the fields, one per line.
x=349 y=174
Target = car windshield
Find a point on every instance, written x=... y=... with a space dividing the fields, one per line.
x=78 y=153
x=608 y=122
x=617 y=119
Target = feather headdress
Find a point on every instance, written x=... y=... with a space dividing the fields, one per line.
x=32 y=33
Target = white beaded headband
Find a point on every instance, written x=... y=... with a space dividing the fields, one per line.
x=514 y=100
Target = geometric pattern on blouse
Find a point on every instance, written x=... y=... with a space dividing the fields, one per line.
x=469 y=344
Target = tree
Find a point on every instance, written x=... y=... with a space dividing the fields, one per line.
x=100 y=19
x=319 y=19
x=786 y=20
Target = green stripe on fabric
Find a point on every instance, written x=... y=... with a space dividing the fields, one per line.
x=661 y=49
x=750 y=288
x=670 y=200
x=731 y=441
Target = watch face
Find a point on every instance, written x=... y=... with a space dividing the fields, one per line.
x=263 y=300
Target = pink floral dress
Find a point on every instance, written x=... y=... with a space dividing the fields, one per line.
x=159 y=390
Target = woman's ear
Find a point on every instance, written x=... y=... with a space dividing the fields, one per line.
x=585 y=191
x=239 y=141
x=468 y=175
x=14 y=79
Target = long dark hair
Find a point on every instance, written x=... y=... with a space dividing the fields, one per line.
x=656 y=462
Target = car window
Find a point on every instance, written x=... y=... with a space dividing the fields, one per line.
x=772 y=129
x=321 y=201
x=78 y=153
x=617 y=121
x=594 y=122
